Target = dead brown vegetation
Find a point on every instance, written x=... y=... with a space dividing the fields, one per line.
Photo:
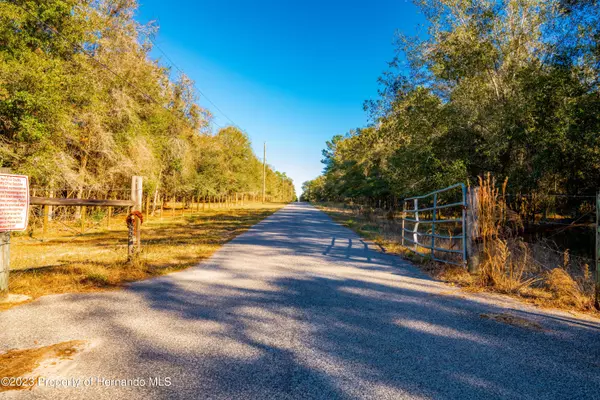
x=20 y=363
x=509 y=265
x=63 y=263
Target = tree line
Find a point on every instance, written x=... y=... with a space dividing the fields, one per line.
x=509 y=87
x=84 y=106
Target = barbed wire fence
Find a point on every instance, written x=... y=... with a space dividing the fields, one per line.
x=59 y=221
x=556 y=230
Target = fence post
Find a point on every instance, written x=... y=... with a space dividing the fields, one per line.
x=472 y=233
x=148 y=207
x=434 y=215
x=162 y=203
x=416 y=227
x=135 y=233
x=403 y=217
x=597 y=272
x=108 y=216
x=45 y=220
x=51 y=208
x=83 y=212
x=138 y=207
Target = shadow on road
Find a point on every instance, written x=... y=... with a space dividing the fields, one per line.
x=299 y=307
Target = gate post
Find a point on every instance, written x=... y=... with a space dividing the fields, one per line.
x=403 y=217
x=434 y=216
x=597 y=273
x=416 y=227
x=472 y=233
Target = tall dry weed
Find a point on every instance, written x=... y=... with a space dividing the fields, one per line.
x=508 y=263
x=505 y=260
x=565 y=290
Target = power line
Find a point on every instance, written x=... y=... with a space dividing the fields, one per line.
x=197 y=88
x=104 y=66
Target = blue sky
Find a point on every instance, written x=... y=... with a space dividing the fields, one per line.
x=291 y=73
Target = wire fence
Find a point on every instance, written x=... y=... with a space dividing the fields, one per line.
x=558 y=228
x=60 y=221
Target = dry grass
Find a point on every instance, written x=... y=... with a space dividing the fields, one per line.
x=63 y=263
x=565 y=290
x=503 y=261
x=22 y=362
x=513 y=320
x=509 y=265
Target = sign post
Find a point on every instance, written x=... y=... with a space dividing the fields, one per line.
x=14 y=211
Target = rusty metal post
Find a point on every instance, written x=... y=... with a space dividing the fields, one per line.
x=4 y=254
x=4 y=263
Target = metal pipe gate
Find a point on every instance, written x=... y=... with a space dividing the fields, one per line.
x=435 y=221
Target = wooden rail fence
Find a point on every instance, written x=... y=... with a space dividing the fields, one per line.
x=134 y=221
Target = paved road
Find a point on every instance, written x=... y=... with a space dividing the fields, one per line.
x=300 y=308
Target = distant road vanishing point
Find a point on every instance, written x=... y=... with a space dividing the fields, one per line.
x=300 y=307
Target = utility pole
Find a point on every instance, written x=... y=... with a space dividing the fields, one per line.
x=264 y=172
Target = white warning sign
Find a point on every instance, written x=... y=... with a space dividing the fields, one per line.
x=14 y=202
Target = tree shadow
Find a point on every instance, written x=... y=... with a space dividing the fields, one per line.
x=355 y=330
x=275 y=314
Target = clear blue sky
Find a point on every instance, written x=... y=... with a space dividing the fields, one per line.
x=291 y=73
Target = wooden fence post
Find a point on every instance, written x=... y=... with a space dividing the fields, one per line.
x=155 y=200
x=45 y=220
x=135 y=242
x=51 y=208
x=403 y=218
x=138 y=207
x=416 y=227
x=148 y=207
x=472 y=229
x=597 y=272
x=82 y=212
x=162 y=203
x=433 y=218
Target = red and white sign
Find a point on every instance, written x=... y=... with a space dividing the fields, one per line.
x=14 y=202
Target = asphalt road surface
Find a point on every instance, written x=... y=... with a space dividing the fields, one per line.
x=299 y=307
